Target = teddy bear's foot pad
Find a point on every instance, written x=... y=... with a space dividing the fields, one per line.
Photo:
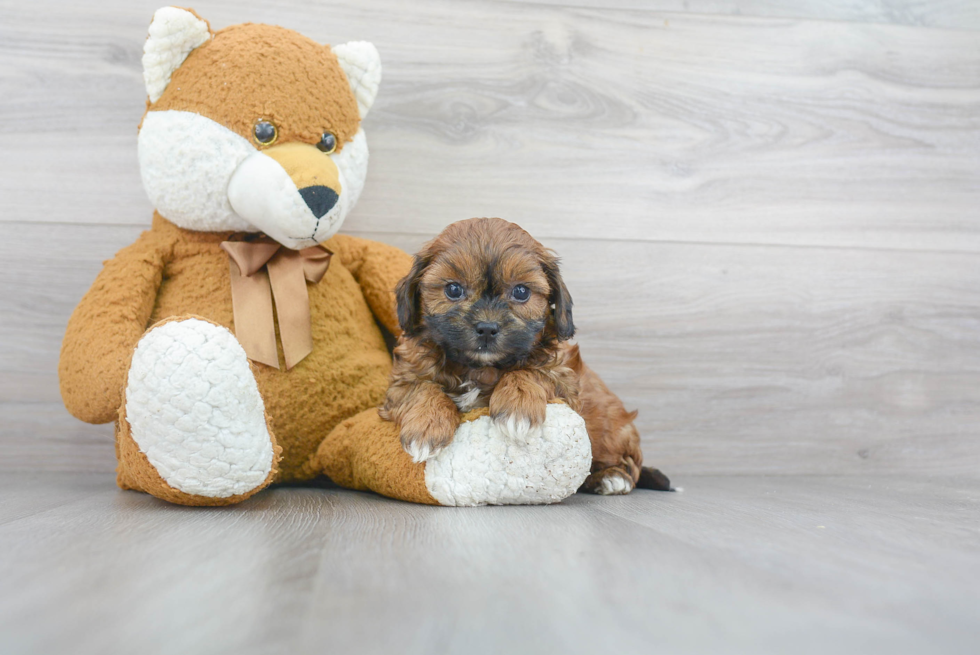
x=195 y=411
x=482 y=466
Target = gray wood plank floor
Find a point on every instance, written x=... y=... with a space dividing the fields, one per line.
x=768 y=214
x=731 y=564
x=954 y=14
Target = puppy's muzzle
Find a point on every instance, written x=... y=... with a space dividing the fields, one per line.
x=486 y=332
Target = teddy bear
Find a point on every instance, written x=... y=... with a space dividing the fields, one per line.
x=239 y=341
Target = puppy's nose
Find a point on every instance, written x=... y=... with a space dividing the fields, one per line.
x=487 y=330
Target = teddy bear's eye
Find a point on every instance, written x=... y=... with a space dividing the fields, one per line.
x=328 y=143
x=265 y=133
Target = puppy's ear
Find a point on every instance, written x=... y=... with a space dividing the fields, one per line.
x=560 y=298
x=407 y=295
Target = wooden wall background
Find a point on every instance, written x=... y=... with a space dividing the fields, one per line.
x=769 y=212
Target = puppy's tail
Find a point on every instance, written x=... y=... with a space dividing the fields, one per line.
x=651 y=478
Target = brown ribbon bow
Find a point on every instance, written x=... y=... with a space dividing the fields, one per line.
x=261 y=270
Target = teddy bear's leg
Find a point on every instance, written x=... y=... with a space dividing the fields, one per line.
x=482 y=466
x=192 y=429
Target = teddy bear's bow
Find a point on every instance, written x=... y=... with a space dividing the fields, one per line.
x=263 y=270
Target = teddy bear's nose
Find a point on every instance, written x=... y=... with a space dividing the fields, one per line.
x=320 y=199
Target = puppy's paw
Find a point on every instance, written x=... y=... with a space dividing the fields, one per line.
x=518 y=407
x=425 y=446
x=517 y=429
x=424 y=435
x=612 y=481
x=419 y=449
x=615 y=484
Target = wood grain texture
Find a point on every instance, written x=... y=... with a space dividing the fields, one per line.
x=573 y=121
x=740 y=359
x=768 y=216
x=953 y=14
x=731 y=565
x=769 y=225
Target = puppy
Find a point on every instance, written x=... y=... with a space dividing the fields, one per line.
x=485 y=317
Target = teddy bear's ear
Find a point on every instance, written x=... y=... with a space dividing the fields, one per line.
x=174 y=33
x=362 y=64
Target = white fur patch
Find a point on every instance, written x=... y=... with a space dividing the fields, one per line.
x=202 y=176
x=186 y=161
x=262 y=192
x=466 y=401
x=517 y=429
x=483 y=467
x=420 y=451
x=352 y=164
x=173 y=34
x=362 y=65
x=196 y=412
x=615 y=484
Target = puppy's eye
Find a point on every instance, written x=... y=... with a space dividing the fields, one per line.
x=265 y=133
x=328 y=143
x=454 y=291
x=520 y=293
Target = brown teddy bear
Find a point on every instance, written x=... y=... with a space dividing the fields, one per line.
x=236 y=343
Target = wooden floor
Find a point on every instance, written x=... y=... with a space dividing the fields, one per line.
x=798 y=564
x=769 y=218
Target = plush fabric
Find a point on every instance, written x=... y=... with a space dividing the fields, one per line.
x=251 y=71
x=194 y=195
x=482 y=466
x=152 y=344
x=217 y=482
x=365 y=453
x=346 y=373
x=360 y=61
x=174 y=33
x=195 y=411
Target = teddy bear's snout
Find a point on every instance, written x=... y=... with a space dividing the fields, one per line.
x=315 y=175
x=286 y=190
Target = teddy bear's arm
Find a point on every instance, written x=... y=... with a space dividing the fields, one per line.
x=377 y=267
x=105 y=327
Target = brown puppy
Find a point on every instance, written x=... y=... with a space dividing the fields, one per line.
x=485 y=315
